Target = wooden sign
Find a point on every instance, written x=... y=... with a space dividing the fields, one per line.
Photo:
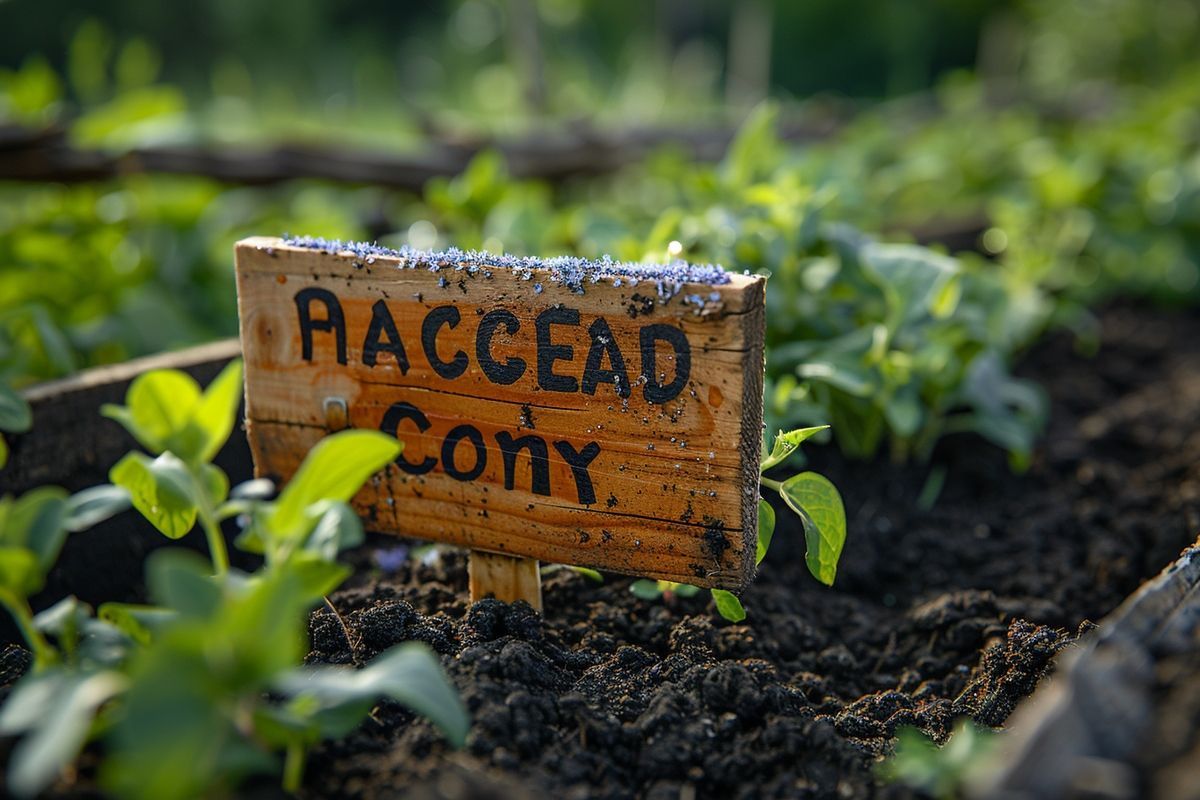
x=590 y=413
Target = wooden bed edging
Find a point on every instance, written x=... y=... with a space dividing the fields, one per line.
x=70 y=444
x=1078 y=733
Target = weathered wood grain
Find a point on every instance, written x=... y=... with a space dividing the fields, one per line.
x=670 y=489
x=505 y=578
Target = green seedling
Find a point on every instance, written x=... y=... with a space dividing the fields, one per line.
x=15 y=417
x=228 y=666
x=33 y=529
x=205 y=686
x=812 y=496
x=940 y=772
x=184 y=427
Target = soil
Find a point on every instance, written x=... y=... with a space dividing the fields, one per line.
x=937 y=614
x=953 y=612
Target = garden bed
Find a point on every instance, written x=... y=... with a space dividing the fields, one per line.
x=956 y=611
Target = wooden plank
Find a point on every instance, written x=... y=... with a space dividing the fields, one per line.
x=497 y=378
x=506 y=578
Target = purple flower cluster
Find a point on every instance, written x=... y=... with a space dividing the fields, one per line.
x=570 y=271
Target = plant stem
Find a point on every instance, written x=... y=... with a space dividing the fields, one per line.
x=216 y=542
x=770 y=484
x=293 y=767
x=43 y=653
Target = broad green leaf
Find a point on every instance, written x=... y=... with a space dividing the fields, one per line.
x=335 y=469
x=409 y=674
x=766 y=529
x=215 y=414
x=92 y=506
x=678 y=589
x=315 y=577
x=215 y=482
x=182 y=581
x=338 y=529
x=162 y=489
x=728 y=605
x=139 y=622
x=158 y=407
x=786 y=443
x=840 y=373
x=19 y=572
x=39 y=519
x=15 y=415
x=645 y=589
x=54 y=711
x=819 y=505
x=912 y=278
x=63 y=619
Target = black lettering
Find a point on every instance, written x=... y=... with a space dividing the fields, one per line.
x=513 y=368
x=391 y=423
x=435 y=319
x=654 y=391
x=382 y=325
x=602 y=343
x=539 y=460
x=334 y=321
x=455 y=436
x=548 y=353
x=578 y=461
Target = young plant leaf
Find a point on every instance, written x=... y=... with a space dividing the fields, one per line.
x=39 y=518
x=19 y=572
x=786 y=443
x=138 y=622
x=54 y=711
x=728 y=605
x=162 y=489
x=335 y=469
x=819 y=505
x=316 y=577
x=587 y=572
x=90 y=507
x=409 y=674
x=181 y=581
x=766 y=529
x=338 y=529
x=15 y=414
x=645 y=589
x=215 y=413
x=158 y=406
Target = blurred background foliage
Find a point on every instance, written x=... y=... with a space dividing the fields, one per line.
x=931 y=185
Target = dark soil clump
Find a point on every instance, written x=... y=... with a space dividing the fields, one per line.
x=937 y=615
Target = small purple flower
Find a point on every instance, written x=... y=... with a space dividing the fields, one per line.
x=391 y=559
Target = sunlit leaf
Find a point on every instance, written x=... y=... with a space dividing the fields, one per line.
x=728 y=605
x=766 y=529
x=786 y=443
x=819 y=505
x=162 y=489
x=335 y=469
x=409 y=674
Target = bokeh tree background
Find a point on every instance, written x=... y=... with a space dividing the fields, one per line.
x=932 y=185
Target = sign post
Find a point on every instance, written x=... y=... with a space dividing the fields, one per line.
x=590 y=413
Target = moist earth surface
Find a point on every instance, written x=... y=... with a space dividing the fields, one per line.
x=939 y=614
